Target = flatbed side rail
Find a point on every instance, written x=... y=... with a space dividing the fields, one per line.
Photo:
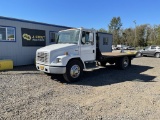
x=114 y=55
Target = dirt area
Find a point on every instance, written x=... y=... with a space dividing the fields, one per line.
x=102 y=94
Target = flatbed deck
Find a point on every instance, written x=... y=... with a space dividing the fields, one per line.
x=116 y=54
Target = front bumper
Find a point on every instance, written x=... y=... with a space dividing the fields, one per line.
x=51 y=69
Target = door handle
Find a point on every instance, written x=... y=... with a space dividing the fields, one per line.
x=93 y=51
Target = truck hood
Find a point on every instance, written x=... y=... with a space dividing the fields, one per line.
x=57 y=47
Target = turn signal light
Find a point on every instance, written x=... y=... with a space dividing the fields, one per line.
x=66 y=53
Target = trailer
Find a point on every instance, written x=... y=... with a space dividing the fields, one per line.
x=77 y=50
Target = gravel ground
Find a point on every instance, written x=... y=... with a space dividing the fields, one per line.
x=102 y=94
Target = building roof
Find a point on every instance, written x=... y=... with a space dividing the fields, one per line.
x=28 y=21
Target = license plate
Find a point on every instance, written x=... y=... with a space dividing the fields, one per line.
x=41 y=67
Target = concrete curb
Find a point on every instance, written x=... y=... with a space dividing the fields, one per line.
x=6 y=65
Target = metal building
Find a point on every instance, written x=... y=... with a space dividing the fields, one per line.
x=19 y=39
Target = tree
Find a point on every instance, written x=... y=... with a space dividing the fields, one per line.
x=157 y=35
x=114 y=28
x=128 y=35
x=115 y=24
x=102 y=30
x=143 y=33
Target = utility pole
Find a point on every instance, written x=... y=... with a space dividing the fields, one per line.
x=135 y=34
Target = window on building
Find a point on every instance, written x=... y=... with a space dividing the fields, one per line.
x=7 y=34
x=53 y=37
x=105 y=41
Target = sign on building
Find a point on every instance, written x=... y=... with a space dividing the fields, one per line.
x=33 y=37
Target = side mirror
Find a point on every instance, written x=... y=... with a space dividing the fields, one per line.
x=91 y=37
x=83 y=41
x=143 y=48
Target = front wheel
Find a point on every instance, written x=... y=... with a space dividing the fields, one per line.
x=157 y=55
x=138 y=54
x=49 y=74
x=74 y=70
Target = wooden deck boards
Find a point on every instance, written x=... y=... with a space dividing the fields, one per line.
x=116 y=54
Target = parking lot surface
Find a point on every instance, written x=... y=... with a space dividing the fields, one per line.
x=102 y=94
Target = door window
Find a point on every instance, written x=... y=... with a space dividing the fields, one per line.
x=87 y=38
x=153 y=47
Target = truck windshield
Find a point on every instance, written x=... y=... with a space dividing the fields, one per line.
x=68 y=36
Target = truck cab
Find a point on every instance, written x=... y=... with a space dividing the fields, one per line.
x=76 y=49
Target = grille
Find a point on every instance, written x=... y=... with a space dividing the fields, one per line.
x=42 y=57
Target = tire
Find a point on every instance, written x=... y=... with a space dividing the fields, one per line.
x=74 y=71
x=123 y=63
x=49 y=74
x=157 y=55
x=138 y=54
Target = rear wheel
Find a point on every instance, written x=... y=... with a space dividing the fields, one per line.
x=74 y=70
x=123 y=63
x=157 y=55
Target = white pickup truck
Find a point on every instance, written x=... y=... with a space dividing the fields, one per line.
x=77 y=50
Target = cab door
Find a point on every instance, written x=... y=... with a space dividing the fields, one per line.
x=146 y=51
x=88 y=46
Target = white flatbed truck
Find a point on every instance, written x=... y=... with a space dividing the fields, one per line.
x=77 y=50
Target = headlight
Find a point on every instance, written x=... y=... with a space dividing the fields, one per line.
x=58 y=60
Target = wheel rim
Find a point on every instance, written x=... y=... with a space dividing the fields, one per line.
x=125 y=62
x=75 y=71
x=157 y=55
x=139 y=54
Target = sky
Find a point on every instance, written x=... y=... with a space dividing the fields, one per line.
x=84 y=13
